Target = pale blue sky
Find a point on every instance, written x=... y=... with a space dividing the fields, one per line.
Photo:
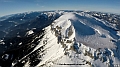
x=18 y=6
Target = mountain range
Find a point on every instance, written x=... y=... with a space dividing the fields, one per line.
x=60 y=39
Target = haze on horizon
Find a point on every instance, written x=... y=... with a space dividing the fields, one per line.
x=18 y=6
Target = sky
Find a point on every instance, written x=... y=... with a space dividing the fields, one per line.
x=18 y=6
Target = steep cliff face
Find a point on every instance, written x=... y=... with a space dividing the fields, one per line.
x=71 y=39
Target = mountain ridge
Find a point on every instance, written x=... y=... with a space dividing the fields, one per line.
x=72 y=39
x=70 y=43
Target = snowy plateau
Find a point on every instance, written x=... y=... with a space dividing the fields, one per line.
x=61 y=39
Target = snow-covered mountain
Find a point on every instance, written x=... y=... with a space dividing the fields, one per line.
x=66 y=39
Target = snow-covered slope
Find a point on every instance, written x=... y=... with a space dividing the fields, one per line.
x=79 y=40
x=62 y=39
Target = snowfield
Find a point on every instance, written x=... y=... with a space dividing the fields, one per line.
x=89 y=30
x=80 y=40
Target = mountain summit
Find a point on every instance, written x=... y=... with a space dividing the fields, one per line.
x=74 y=39
x=80 y=39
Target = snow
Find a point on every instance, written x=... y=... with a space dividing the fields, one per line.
x=118 y=33
x=21 y=19
x=94 y=32
x=6 y=56
x=53 y=50
x=98 y=63
x=29 y=32
x=2 y=42
x=20 y=43
x=96 y=42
